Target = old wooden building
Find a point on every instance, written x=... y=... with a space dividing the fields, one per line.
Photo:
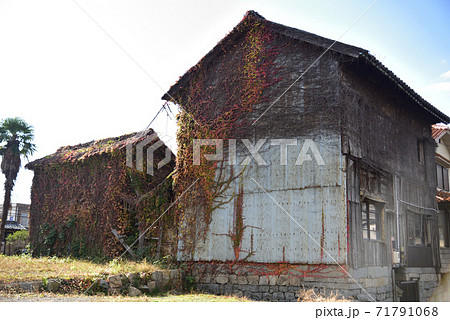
x=88 y=198
x=323 y=174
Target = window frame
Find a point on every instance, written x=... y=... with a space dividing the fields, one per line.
x=443 y=229
x=420 y=151
x=368 y=221
x=442 y=179
x=419 y=227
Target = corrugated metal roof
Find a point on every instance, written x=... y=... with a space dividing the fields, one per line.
x=438 y=130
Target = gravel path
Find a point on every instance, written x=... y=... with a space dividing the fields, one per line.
x=5 y=297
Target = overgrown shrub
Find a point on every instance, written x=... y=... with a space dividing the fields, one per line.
x=17 y=242
x=22 y=235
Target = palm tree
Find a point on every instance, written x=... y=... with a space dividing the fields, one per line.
x=16 y=140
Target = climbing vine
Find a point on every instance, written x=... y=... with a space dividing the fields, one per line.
x=80 y=194
x=75 y=204
x=221 y=99
x=236 y=233
x=239 y=268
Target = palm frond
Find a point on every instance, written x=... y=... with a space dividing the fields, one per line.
x=17 y=129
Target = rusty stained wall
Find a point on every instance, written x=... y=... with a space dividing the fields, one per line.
x=313 y=195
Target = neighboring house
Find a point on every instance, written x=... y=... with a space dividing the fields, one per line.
x=87 y=199
x=356 y=187
x=441 y=134
x=18 y=218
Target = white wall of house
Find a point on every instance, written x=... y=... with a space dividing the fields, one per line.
x=443 y=159
x=443 y=146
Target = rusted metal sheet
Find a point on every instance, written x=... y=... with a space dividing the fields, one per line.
x=296 y=214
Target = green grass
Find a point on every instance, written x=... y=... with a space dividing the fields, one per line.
x=26 y=268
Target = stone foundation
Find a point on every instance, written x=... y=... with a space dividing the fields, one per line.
x=283 y=282
x=442 y=293
x=427 y=280
x=132 y=284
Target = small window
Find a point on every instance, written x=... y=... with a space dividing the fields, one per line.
x=420 y=154
x=442 y=177
x=443 y=229
x=370 y=217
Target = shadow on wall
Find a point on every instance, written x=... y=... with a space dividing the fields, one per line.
x=442 y=293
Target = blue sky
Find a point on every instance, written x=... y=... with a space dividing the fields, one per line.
x=66 y=77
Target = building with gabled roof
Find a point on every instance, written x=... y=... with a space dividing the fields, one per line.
x=361 y=219
x=87 y=199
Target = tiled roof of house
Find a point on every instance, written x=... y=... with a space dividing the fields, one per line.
x=14 y=225
x=438 y=130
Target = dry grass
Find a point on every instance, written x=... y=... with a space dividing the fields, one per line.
x=51 y=297
x=23 y=268
x=310 y=296
x=191 y=297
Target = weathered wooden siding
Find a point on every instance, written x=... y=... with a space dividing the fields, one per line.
x=362 y=252
x=381 y=129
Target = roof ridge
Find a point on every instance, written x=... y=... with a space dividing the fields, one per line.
x=314 y=39
x=89 y=149
x=252 y=13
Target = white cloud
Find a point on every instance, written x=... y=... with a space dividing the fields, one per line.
x=443 y=61
x=445 y=75
x=441 y=86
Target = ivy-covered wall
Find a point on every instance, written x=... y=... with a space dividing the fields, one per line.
x=225 y=215
x=220 y=97
x=78 y=200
